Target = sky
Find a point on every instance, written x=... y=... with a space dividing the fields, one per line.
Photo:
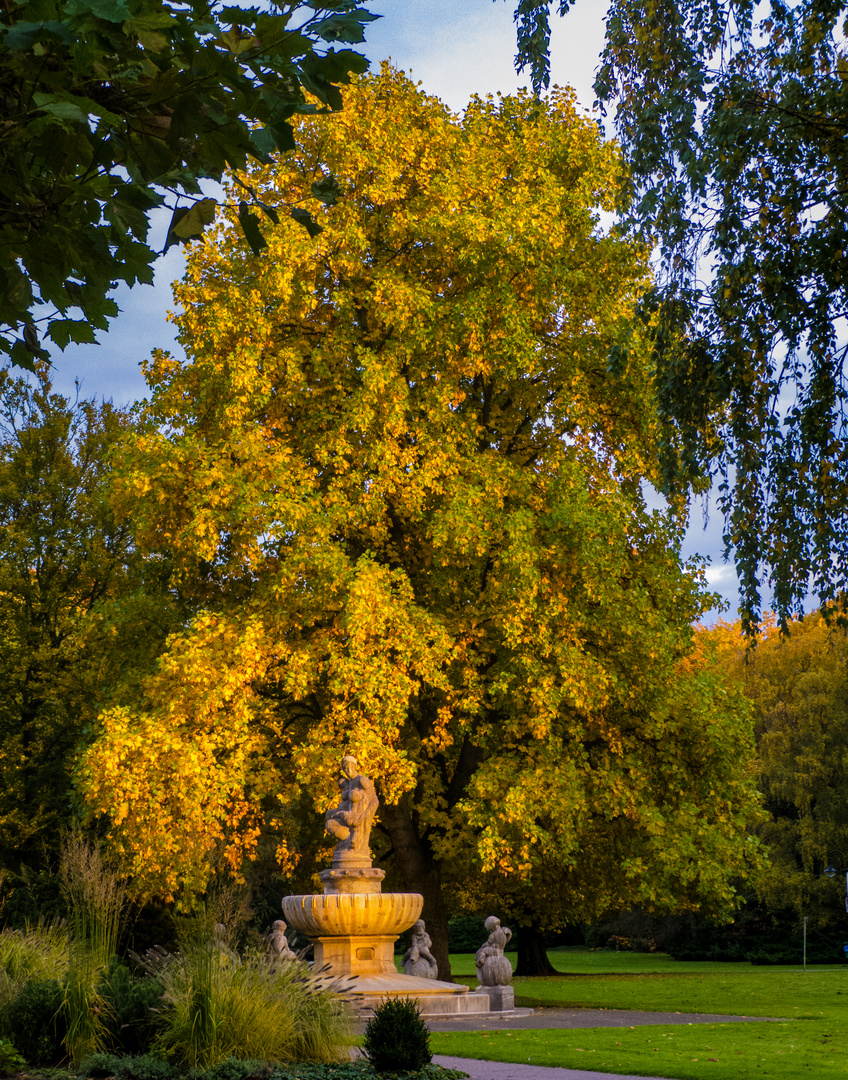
x=455 y=48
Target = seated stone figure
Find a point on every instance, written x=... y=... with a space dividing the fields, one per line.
x=278 y=945
x=418 y=960
x=493 y=968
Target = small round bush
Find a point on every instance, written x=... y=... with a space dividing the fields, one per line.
x=31 y=1019
x=396 y=1038
x=99 y=1066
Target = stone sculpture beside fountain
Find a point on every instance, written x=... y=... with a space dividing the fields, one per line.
x=353 y=926
x=418 y=960
x=493 y=968
x=278 y=945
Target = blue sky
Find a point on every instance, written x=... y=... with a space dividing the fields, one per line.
x=456 y=48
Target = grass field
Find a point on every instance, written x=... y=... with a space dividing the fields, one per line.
x=811 y=1039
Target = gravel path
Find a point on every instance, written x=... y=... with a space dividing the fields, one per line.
x=584 y=1018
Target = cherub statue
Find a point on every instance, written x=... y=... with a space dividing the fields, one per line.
x=418 y=960
x=350 y=822
x=493 y=968
x=278 y=945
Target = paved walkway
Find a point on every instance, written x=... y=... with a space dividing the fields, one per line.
x=563 y=1018
x=497 y=1070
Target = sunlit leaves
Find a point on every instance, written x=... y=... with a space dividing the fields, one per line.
x=799 y=692
x=78 y=605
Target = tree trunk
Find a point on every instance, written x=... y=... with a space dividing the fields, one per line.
x=532 y=955
x=421 y=873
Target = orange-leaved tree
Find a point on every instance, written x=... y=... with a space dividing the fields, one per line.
x=798 y=688
x=403 y=476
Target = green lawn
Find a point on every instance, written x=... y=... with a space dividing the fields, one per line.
x=811 y=1041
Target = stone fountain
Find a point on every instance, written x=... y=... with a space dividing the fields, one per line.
x=353 y=926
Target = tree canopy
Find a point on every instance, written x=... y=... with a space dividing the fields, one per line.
x=799 y=693
x=111 y=108
x=732 y=116
x=398 y=472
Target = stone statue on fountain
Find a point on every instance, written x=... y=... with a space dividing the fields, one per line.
x=350 y=822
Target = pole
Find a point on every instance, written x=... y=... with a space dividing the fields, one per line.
x=805 y=943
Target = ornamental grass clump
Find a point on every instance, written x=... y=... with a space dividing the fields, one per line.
x=218 y=1005
x=396 y=1038
x=35 y=954
x=95 y=898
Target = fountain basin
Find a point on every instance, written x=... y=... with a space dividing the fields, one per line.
x=354 y=933
x=353 y=914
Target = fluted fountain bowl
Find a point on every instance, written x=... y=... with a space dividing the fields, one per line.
x=353 y=914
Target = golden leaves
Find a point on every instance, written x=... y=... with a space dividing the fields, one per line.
x=400 y=473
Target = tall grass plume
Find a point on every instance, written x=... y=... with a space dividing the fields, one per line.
x=95 y=898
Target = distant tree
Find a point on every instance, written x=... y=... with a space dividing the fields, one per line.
x=733 y=117
x=78 y=605
x=397 y=469
x=111 y=108
x=798 y=688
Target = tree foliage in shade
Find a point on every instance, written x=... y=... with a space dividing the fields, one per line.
x=111 y=108
x=78 y=603
x=733 y=117
x=398 y=471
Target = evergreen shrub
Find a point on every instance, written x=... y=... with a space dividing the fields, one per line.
x=32 y=1020
x=466 y=933
x=396 y=1038
x=130 y=999
x=127 y=1067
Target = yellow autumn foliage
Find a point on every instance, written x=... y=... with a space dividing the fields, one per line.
x=403 y=477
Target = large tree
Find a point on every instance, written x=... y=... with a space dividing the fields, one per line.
x=398 y=470
x=78 y=604
x=732 y=115
x=111 y=108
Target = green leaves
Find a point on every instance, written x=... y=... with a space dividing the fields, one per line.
x=107 y=106
x=190 y=221
x=732 y=117
x=250 y=227
x=114 y=11
x=345 y=26
x=304 y=218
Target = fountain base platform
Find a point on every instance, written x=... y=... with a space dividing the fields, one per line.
x=436 y=999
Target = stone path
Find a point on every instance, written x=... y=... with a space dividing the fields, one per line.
x=497 y=1070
